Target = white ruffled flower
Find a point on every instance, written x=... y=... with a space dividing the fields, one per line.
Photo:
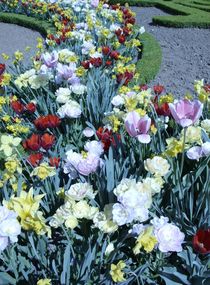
x=71 y=110
x=80 y=191
x=117 y=101
x=63 y=95
x=94 y=147
x=157 y=165
x=205 y=124
x=78 y=89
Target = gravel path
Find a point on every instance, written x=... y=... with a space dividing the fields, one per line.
x=186 y=52
x=14 y=38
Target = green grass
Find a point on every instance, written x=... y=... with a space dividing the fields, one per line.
x=150 y=61
x=28 y=22
x=185 y=13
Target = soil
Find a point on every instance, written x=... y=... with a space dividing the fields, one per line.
x=186 y=53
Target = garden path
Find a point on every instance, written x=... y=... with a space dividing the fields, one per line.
x=186 y=52
x=13 y=37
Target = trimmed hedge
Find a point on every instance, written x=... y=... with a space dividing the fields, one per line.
x=187 y=13
x=150 y=61
x=28 y=22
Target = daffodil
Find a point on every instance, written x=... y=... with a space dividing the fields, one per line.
x=44 y=282
x=8 y=143
x=116 y=271
x=146 y=240
x=43 y=171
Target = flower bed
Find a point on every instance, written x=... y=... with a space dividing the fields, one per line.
x=102 y=179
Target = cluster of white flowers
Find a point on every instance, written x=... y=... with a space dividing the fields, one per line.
x=76 y=206
x=30 y=78
x=157 y=166
x=9 y=227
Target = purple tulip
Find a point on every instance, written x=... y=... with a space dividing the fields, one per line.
x=138 y=126
x=66 y=72
x=50 y=59
x=186 y=112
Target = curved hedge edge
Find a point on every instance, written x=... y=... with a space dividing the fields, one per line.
x=149 y=63
x=29 y=22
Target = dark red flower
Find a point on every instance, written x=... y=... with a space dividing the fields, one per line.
x=107 y=137
x=17 y=106
x=130 y=21
x=118 y=32
x=47 y=141
x=158 y=89
x=54 y=161
x=143 y=87
x=108 y=62
x=35 y=158
x=2 y=68
x=49 y=121
x=201 y=241
x=33 y=143
x=125 y=77
x=126 y=31
x=85 y=64
x=163 y=109
x=207 y=88
x=106 y=50
x=121 y=39
x=96 y=61
x=114 y=54
x=31 y=107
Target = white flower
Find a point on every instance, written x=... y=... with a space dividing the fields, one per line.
x=117 y=101
x=109 y=249
x=157 y=165
x=206 y=148
x=63 y=95
x=94 y=147
x=78 y=89
x=88 y=132
x=142 y=30
x=9 y=227
x=153 y=184
x=80 y=191
x=205 y=124
x=71 y=110
x=170 y=238
x=121 y=215
x=124 y=185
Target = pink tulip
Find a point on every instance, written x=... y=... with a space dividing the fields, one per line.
x=138 y=127
x=186 y=112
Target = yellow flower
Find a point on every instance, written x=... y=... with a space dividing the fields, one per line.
x=43 y=171
x=193 y=134
x=44 y=282
x=169 y=98
x=18 y=55
x=116 y=271
x=6 y=79
x=5 y=56
x=146 y=240
x=26 y=206
x=174 y=147
x=115 y=123
x=130 y=103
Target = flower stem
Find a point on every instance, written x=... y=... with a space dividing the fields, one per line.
x=183 y=145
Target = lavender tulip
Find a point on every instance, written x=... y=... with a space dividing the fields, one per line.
x=50 y=59
x=138 y=126
x=186 y=112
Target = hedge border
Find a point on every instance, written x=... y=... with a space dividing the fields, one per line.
x=25 y=21
x=184 y=14
x=149 y=63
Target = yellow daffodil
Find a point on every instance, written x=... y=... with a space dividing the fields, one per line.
x=146 y=240
x=44 y=282
x=116 y=271
x=43 y=171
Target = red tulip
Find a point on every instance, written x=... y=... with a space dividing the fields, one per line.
x=17 y=106
x=108 y=63
x=163 y=109
x=31 y=107
x=2 y=68
x=143 y=87
x=54 y=161
x=107 y=137
x=118 y=32
x=207 y=88
x=106 y=50
x=121 y=39
x=96 y=61
x=33 y=143
x=85 y=64
x=201 y=241
x=47 y=141
x=35 y=158
x=114 y=54
x=49 y=121
x=158 y=89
